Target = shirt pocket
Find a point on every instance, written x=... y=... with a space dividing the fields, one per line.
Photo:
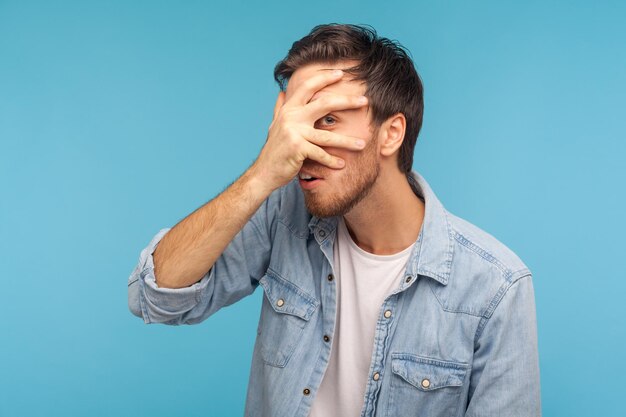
x=423 y=386
x=286 y=311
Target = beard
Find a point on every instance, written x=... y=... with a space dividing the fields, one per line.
x=356 y=183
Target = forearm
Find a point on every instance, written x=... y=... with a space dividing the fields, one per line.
x=189 y=250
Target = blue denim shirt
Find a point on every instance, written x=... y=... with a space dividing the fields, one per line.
x=461 y=341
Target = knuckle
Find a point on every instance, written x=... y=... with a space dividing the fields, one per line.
x=293 y=130
x=310 y=134
x=280 y=119
x=285 y=114
x=289 y=139
x=295 y=148
x=292 y=140
x=309 y=84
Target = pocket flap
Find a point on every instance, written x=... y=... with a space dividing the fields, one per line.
x=427 y=374
x=287 y=298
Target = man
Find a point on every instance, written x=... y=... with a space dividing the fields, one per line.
x=377 y=301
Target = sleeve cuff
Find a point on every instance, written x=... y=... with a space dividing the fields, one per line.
x=165 y=305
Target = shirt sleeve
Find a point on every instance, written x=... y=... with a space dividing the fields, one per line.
x=505 y=373
x=234 y=275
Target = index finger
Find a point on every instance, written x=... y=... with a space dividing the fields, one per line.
x=305 y=91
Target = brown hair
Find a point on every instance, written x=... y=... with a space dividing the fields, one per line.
x=393 y=85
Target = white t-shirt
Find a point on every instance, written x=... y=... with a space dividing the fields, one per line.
x=363 y=282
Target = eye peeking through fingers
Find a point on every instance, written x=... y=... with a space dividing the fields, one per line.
x=326 y=121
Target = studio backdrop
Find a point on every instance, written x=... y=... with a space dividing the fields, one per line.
x=120 y=118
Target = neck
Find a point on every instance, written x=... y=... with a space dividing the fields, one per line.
x=389 y=219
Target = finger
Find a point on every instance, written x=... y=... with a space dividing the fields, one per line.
x=333 y=102
x=280 y=100
x=318 y=154
x=309 y=87
x=336 y=140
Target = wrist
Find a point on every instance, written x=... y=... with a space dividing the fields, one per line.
x=258 y=183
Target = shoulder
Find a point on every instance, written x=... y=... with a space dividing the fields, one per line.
x=474 y=242
x=481 y=270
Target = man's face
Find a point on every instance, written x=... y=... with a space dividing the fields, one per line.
x=338 y=191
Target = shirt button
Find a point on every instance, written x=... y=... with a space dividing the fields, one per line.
x=387 y=314
x=425 y=383
x=376 y=376
x=330 y=277
x=280 y=302
x=322 y=233
x=306 y=391
x=408 y=279
x=326 y=338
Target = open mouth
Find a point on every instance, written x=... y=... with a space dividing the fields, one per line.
x=308 y=182
x=308 y=178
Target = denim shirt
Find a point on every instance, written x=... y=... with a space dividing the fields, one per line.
x=461 y=339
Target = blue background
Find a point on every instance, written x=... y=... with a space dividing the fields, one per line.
x=120 y=118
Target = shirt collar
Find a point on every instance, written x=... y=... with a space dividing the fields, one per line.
x=433 y=258
x=433 y=251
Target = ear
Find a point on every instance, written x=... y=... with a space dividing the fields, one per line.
x=392 y=134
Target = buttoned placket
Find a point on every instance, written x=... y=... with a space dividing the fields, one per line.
x=324 y=234
x=381 y=339
x=384 y=333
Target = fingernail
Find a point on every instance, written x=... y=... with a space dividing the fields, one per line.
x=360 y=143
x=341 y=162
x=362 y=100
x=337 y=73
